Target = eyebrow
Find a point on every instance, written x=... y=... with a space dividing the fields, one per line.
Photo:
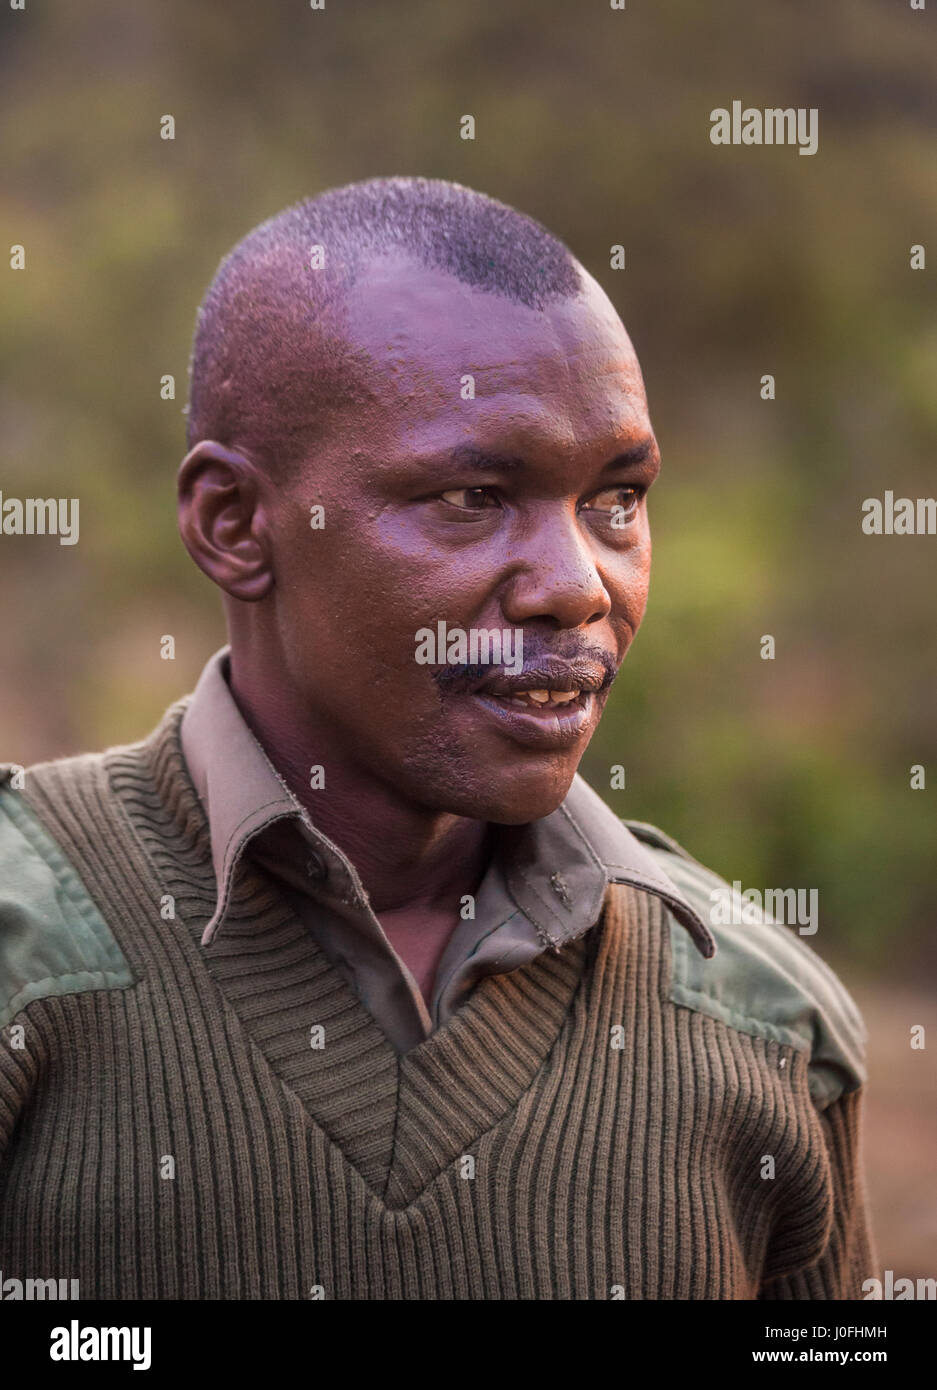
x=638 y=453
x=468 y=456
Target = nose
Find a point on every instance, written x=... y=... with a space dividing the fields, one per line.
x=555 y=577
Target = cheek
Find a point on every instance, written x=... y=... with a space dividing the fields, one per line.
x=629 y=583
x=639 y=587
x=348 y=616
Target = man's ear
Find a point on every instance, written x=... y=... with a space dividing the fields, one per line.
x=222 y=521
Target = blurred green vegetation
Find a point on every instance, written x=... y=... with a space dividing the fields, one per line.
x=740 y=262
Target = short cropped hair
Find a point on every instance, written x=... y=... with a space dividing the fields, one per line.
x=270 y=363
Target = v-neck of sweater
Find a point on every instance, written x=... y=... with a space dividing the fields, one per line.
x=309 y=1026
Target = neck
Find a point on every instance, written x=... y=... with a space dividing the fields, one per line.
x=408 y=857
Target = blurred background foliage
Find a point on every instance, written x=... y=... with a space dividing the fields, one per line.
x=740 y=262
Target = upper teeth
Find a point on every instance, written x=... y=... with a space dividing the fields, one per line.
x=543 y=697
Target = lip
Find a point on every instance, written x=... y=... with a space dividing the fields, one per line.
x=550 y=727
x=550 y=673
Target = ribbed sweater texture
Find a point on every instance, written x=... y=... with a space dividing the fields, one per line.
x=571 y=1133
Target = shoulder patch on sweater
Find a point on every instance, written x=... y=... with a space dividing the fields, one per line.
x=53 y=939
x=764 y=980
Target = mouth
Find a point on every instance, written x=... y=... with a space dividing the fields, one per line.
x=543 y=699
x=550 y=707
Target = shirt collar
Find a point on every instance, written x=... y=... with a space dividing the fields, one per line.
x=557 y=869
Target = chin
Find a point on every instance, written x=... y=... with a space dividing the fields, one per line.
x=514 y=798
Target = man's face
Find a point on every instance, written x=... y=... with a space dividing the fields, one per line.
x=520 y=509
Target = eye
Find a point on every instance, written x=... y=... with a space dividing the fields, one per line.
x=625 y=497
x=469 y=498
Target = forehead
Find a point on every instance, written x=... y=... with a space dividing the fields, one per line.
x=567 y=372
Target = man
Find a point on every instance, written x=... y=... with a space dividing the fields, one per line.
x=343 y=983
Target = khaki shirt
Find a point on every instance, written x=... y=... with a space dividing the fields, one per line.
x=545 y=883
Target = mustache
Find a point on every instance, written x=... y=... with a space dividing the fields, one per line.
x=591 y=667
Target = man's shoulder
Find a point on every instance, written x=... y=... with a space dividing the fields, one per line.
x=764 y=979
x=53 y=939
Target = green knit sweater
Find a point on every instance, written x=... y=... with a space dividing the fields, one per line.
x=621 y=1119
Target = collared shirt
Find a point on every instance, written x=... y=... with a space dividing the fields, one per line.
x=545 y=883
